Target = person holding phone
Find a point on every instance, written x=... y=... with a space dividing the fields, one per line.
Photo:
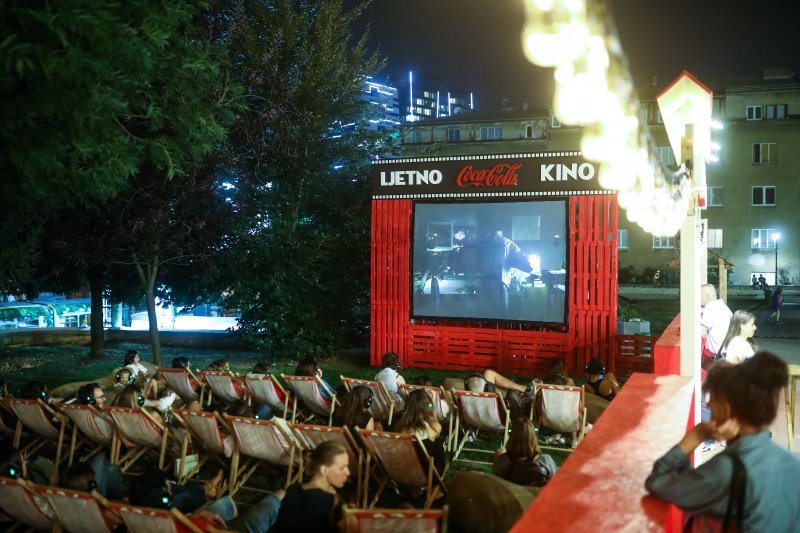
x=599 y=382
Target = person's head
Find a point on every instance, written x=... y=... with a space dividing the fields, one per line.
x=355 y=403
x=123 y=376
x=307 y=367
x=390 y=360
x=131 y=357
x=424 y=380
x=220 y=365
x=707 y=294
x=554 y=379
x=12 y=464
x=743 y=324
x=475 y=383
x=91 y=394
x=779 y=289
x=523 y=443
x=595 y=367
x=240 y=408
x=131 y=396
x=78 y=476
x=34 y=390
x=748 y=392
x=151 y=489
x=418 y=412
x=557 y=367
x=261 y=368
x=181 y=362
x=329 y=461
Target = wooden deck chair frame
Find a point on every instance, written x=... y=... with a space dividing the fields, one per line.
x=438 y=396
x=320 y=408
x=260 y=392
x=382 y=408
x=6 y=431
x=127 y=512
x=180 y=380
x=220 y=384
x=353 y=515
x=471 y=422
x=312 y=435
x=580 y=414
x=25 y=507
x=44 y=430
x=137 y=443
x=248 y=461
x=791 y=402
x=200 y=440
x=412 y=448
x=85 y=422
x=74 y=521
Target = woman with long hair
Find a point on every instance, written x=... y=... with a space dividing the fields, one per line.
x=354 y=412
x=315 y=505
x=419 y=419
x=523 y=461
x=751 y=481
x=737 y=345
x=140 y=374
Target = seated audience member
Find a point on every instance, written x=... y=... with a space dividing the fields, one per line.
x=80 y=476
x=36 y=390
x=315 y=505
x=132 y=396
x=598 y=381
x=262 y=411
x=425 y=381
x=491 y=381
x=523 y=461
x=153 y=489
x=354 y=412
x=753 y=477
x=222 y=365
x=140 y=373
x=91 y=394
x=13 y=465
x=446 y=400
x=557 y=369
x=309 y=367
x=390 y=377
x=419 y=419
x=98 y=474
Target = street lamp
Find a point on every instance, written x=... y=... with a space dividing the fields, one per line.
x=776 y=237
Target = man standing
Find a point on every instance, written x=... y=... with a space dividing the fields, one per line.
x=715 y=320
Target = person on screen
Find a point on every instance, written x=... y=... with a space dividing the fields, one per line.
x=498 y=255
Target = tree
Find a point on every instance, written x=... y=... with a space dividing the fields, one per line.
x=298 y=257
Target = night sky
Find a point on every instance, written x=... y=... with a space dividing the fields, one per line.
x=476 y=44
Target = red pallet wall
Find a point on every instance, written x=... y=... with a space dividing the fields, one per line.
x=592 y=300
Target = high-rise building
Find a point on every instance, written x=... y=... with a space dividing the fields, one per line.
x=385 y=115
x=424 y=96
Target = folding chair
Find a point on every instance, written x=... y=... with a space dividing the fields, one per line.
x=47 y=426
x=262 y=441
x=266 y=389
x=394 y=520
x=203 y=430
x=221 y=385
x=404 y=460
x=382 y=407
x=310 y=436
x=146 y=520
x=137 y=428
x=183 y=383
x=96 y=428
x=441 y=407
x=309 y=390
x=19 y=501
x=479 y=411
x=5 y=431
x=561 y=409
x=77 y=512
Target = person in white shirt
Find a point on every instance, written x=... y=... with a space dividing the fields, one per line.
x=140 y=373
x=391 y=378
x=715 y=319
x=736 y=346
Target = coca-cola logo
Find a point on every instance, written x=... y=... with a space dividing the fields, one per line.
x=500 y=175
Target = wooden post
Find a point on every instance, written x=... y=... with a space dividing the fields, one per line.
x=723 y=280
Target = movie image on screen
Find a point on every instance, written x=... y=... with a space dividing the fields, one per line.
x=490 y=261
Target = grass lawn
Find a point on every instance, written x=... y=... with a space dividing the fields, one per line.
x=661 y=312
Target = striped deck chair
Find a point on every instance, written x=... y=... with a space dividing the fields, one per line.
x=77 y=512
x=203 y=431
x=382 y=408
x=142 y=431
x=146 y=520
x=263 y=441
x=183 y=383
x=310 y=436
x=19 y=501
x=309 y=390
x=441 y=407
x=221 y=385
x=479 y=411
x=404 y=460
x=394 y=520
x=96 y=428
x=561 y=409
x=45 y=425
x=266 y=389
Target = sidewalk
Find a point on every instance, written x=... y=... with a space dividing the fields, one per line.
x=782 y=339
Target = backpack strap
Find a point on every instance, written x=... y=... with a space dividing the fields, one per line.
x=736 y=494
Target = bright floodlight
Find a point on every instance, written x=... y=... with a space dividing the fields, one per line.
x=776 y=236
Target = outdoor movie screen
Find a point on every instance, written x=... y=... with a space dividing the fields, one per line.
x=490 y=261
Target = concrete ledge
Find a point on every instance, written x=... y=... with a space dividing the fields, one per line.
x=186 y=339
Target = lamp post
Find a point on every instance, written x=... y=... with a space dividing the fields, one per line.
x=776 y=237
